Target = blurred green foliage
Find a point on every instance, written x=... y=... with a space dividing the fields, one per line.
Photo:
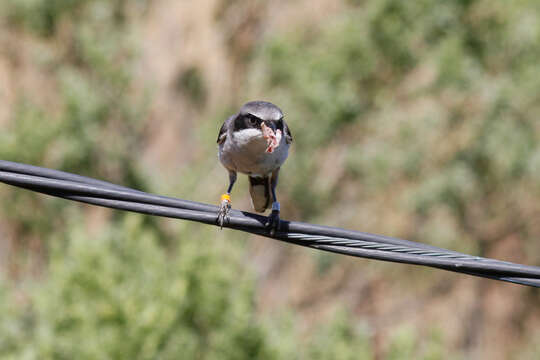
x=96 y=127
x=428 y=102
x=41 y=16
x=433 y=95
x=45 y=16
x=191 y=84
x=117 y=294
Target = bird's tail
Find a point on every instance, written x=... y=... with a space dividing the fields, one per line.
x=259 y=188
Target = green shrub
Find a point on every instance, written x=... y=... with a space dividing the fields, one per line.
x=119 y=294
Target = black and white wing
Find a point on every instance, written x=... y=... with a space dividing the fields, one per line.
x=222 y=133
x=287 y=132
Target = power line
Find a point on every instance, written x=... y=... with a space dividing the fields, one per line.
x=337 y=240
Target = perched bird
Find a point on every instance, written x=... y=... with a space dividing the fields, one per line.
x=254 y=142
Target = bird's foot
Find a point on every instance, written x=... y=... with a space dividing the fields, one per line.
x=273 y=222
x=224 y=208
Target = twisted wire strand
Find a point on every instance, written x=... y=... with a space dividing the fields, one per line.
x=97 y=192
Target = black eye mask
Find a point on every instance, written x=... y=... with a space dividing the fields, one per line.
x=247 y=121
x=253 y=121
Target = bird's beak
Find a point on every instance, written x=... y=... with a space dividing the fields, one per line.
x=270 y=124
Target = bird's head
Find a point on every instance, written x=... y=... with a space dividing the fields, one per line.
x=263 y=118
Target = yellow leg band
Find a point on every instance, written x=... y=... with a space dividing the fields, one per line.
x=226 y=197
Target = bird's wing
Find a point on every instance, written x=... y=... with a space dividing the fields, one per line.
x=222 y=133
x=287 y=132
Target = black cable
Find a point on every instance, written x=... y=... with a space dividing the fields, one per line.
x=98 y=185
x=354 y=243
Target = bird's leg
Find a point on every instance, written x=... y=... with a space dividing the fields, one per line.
x=273 y=220
x=225 y=206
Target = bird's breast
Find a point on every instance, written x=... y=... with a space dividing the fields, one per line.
x=246 y=153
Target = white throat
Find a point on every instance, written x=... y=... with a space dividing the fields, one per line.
x=246 y=136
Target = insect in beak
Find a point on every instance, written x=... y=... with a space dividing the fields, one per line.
x=271 y=135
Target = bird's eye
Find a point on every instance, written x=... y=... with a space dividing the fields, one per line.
x=252 y=120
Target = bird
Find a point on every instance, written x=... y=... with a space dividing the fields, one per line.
x=255 y=142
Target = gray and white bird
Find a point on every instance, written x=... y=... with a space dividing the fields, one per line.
x=254 y=142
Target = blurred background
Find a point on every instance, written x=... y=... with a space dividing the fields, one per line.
x=423 y=116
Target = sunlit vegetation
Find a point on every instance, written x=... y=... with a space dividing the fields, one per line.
x=416 y=119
